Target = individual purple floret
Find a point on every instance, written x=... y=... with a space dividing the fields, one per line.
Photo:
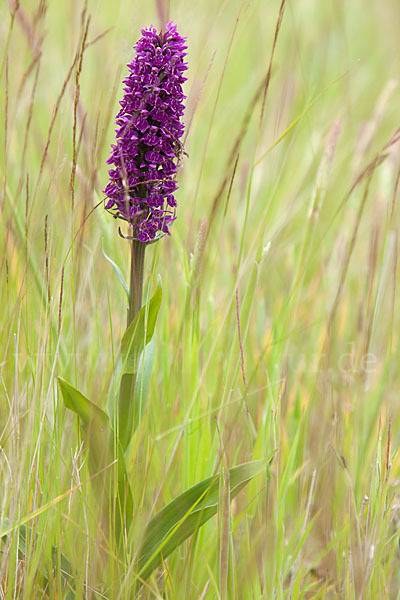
x=147 y=152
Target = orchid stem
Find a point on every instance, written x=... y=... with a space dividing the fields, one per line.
x=126 y=408
x=136 y=279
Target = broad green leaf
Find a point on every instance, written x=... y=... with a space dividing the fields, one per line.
x=142 y=385
x=185 y=514
x=140 y=332
x=103 y=447
x=136 y=337
x=117 y=270
x=142 y=389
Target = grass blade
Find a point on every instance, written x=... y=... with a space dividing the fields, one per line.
x=118 y=272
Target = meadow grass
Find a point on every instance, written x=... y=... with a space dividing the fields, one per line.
x=278 y=331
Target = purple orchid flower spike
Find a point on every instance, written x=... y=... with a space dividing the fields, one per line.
x=148 y=150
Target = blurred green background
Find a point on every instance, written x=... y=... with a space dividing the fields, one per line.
x=294 y=210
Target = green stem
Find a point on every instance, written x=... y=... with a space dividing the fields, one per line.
x=126 y=406
x=136 y=279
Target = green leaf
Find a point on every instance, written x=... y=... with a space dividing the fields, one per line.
x=142 y=388
x=140 y=332
x=94 y=423
x=104 y=449
x=117 y=271
x=58 y=560
x=185 y=514
x=136 y=337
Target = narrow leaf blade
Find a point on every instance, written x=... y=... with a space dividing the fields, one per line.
x=118 y=272
x=65 y=566
x=186 y=513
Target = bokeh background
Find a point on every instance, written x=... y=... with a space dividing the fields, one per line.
x=278 y=332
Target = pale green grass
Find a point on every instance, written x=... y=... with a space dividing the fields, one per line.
x=315 y=267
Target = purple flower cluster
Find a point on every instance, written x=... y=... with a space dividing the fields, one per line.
x=147 y=150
